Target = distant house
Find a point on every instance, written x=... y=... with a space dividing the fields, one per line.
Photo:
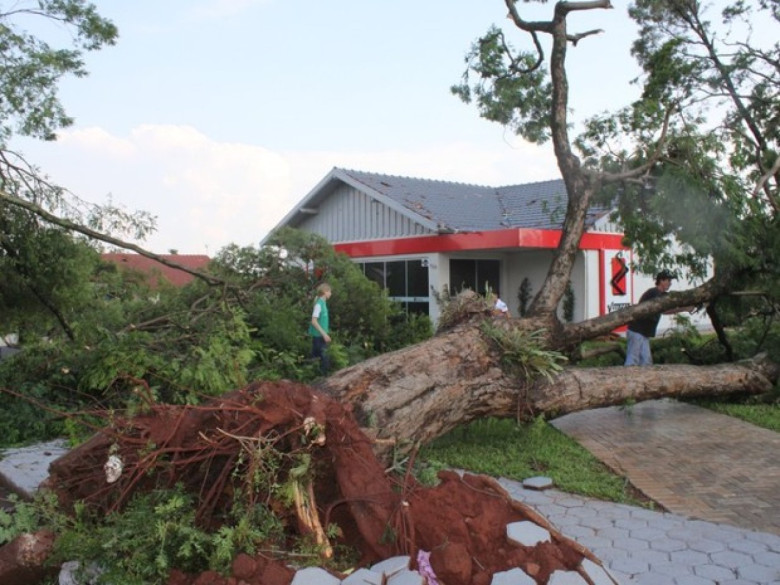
x=158 y=273
x=419 y=236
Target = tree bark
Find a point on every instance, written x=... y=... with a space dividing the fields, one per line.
x=416 y=394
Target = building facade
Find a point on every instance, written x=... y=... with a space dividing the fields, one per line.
x=418 y=238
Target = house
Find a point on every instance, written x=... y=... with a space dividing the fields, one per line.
x=156 y=272
x=416 y=237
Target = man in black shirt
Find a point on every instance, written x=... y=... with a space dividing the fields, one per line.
x=641 y=330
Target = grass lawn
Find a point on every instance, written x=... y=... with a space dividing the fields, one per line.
x=503 y=448
x=762 y=414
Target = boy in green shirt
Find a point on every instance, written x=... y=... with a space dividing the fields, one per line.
x=319 y=328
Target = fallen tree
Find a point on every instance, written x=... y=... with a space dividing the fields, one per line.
x=418 y=393
x=244 y=451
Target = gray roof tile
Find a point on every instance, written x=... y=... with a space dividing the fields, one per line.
x=465 y=207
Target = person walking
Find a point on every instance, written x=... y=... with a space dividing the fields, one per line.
x=641 y=330
x=319 y=328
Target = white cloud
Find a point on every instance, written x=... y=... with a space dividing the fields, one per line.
x=207 y=194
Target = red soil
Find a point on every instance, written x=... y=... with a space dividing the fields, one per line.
x=462 y=521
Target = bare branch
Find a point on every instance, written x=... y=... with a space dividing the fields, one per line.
x=655 y=156
x=70 y=225
x=762 y=183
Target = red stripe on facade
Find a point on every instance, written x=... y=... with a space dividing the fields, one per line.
x=602 y=283
x=487 y=240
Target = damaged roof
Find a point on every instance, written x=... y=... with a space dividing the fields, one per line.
x=459 y=207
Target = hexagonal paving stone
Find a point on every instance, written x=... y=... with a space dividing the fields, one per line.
x=715 y=573
x=597 y=573
x=512 y=577
x=566 y=578
x=760 y=574
x=707 y=546
x=527 y=533
x=314 y=576
x=406 y=577
x=363 y=577
x=393 y=565
x=630 y=566
x=668 y=545
x=730 y=559
x=538 y=483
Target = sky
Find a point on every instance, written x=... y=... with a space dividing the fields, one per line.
x=218 y=116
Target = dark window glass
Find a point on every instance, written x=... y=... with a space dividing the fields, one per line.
x=376 y=271
x=463 y=274
x=488 y=272
x=418 y=279
x=395 y=279
x=419 y=308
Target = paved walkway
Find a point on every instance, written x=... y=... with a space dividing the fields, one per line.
x=691 y=460
x=643 y=547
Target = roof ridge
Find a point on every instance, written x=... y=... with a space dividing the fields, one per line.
x=462 y=183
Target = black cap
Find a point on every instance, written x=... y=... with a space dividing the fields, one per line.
x=664 y=275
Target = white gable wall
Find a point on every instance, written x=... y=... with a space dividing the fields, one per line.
x=349 y=215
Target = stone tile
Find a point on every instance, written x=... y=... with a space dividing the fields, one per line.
x=363 y=577
x=647 y=533
x=668 y=545
x=759 y=574
x=23 y=469
x=314 y=576
x=672 y=570
x=566 y=578
x=750 y=547
x=598 y=574
x=650 y=579
x=633 y=545
x=593 y=541
x=707 y=546
x=512 y=577
x=654 y=557
x=596 y=522
x=631 y=566
x=689 y=557
x=693 y=580
x=583 y=512
x=714 y=573
x=538 y=483
x=393 y=565
x=406 y=577
x=768 y=559
x=578 y=532
x=614 y=534
x=527 y=533
x=730 y=559
x=630 y=523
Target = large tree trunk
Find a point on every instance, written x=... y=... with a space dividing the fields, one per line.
x=419 y=393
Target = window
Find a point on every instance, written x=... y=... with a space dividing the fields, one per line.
x=475 y=275
x=406 y=281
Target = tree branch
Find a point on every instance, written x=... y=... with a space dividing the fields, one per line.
x=70 y=225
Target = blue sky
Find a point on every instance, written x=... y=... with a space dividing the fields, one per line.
x=217 y=116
